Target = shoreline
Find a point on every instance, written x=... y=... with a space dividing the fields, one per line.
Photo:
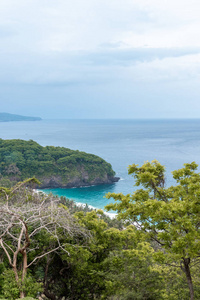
x=80 y=204
x=110 y=215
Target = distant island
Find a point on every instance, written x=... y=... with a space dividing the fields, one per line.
x=53 y=166
x=6 y=117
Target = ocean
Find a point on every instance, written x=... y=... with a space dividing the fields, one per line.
x=119 y=142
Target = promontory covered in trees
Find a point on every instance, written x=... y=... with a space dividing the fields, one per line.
x=53 y=166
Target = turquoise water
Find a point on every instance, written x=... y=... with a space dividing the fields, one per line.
x=94 y=196
x=120 y=142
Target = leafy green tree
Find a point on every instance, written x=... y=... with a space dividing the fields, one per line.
x=12 y=289
x=168 y=216
x=113 y=263
x=83 y=274
x=132 y=272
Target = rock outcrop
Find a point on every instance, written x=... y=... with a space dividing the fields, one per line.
x=56 y=181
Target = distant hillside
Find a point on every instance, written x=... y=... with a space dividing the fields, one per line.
x=53 y=166
x=6 y=117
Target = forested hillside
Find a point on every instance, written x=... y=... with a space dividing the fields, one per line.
x=54 y=250
x=51 y=249
x=53 y=166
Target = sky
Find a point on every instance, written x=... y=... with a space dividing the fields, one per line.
x=100 y=59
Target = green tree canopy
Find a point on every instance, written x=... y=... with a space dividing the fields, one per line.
x=169 y=216
x=53 y=166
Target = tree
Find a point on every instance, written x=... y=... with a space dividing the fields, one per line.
x=115 y=263
x=25 y=218
x=170 y=216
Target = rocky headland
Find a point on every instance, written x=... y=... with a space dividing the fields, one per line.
x=54 y=167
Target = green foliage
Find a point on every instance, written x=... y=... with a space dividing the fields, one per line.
x=22 y=159
x=140 y=256
x=131 y=268
x=31 y=227
x=170 y=216
x=10 y=289
x=5 y=182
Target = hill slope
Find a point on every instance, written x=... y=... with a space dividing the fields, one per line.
x=53 y=166
x=6 y=117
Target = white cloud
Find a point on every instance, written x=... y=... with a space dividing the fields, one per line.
x=65 y=25
x=120 y=45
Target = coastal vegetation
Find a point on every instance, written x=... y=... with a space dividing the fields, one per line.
x=167 y=216
x=53 y=166
x=52 y=249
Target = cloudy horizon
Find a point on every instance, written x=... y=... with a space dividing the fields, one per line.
x=99 y=59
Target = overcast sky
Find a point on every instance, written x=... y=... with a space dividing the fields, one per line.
x=100 y=58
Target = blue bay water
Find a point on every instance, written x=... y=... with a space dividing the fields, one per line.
x=120 y=142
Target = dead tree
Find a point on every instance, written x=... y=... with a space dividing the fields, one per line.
x=23 y=215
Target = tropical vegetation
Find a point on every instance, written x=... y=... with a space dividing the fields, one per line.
x=21 y=159
x=52 y=249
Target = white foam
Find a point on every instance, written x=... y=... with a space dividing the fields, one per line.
x=79 y=204
x=84 y=205
x=110 y=215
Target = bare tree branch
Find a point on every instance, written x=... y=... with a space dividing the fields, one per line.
x=23 y=217
x=6 y=252
x=42 y=255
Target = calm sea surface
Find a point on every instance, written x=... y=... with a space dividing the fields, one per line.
x=120 y=142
